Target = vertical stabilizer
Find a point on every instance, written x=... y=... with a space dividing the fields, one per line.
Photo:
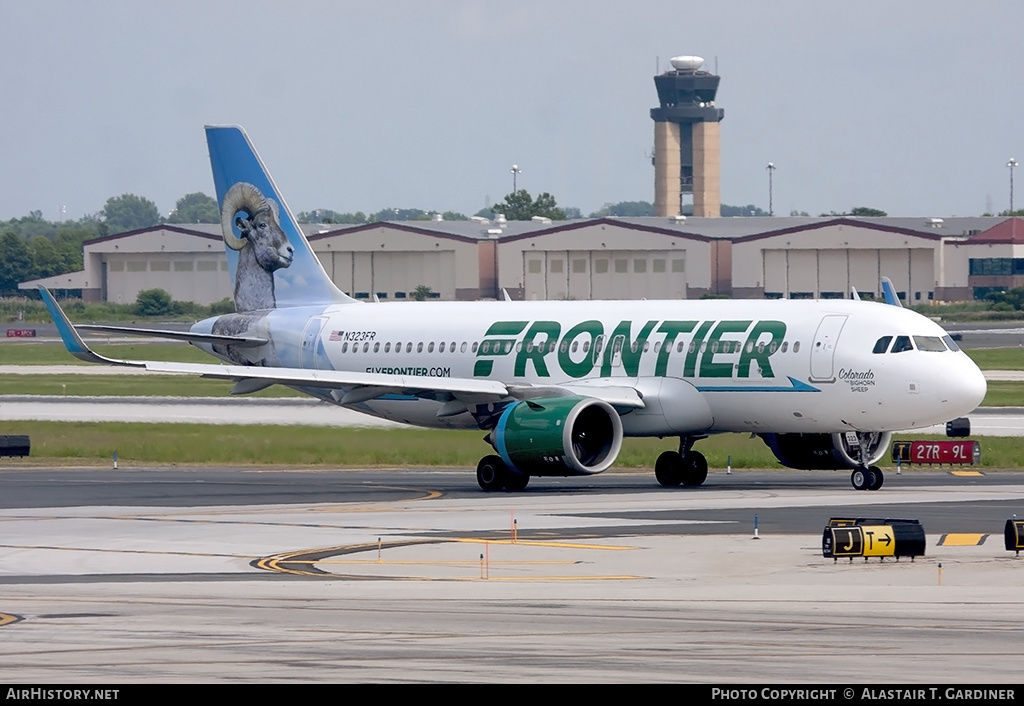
x=272 y=264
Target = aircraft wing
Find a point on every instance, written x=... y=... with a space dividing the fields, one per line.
x=358 y=387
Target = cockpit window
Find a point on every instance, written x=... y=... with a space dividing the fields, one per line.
x=929 y=343
x=950 y=343
x=882 y=344
x=902 y=344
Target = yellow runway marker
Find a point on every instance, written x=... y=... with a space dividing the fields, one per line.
x=624 y=577
x=7 y=618
x=967 y=474
x=962 y=539
x=521 y=543
x=374 y=562
x=304 y=562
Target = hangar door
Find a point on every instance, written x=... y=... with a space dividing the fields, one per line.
x=604 y=274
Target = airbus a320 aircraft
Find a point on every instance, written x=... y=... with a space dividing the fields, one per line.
x=558 y=384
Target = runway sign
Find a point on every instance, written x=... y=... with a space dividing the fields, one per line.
x=849 y=537
x=1013 y=535
x=937 y=452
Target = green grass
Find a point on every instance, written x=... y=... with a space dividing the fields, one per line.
x=1004 y=393
x=998 y=358
x=1000 y=394
x=24 y=353
x=53 y=353
x=94 y=444
x=74 y=385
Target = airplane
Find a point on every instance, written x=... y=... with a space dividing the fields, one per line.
x=557 y=385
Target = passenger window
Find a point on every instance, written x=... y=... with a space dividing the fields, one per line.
x=344 y=348
x=902 y=344
x=441 y=347
x=796 y=346
x=419 y=347
x=366 y=347
x=474 y=347
x=882 y=344
x=785 y=346
x=462 y=348
x=376 y=347
x=387 y=347
x=408 y=347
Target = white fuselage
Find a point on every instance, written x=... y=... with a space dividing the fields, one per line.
x=758 y=365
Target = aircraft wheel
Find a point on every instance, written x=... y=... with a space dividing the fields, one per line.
x=861 y=478
x=877 y=478
x=668 y=469
x=491 y=473
x=695 y=469
x=514 y=480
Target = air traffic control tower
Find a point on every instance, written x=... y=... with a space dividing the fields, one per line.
x=686 y=139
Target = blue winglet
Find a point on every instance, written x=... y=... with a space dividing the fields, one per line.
x=72 y=341
x=889 y=293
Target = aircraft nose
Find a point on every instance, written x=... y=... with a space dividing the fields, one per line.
x=966 y=387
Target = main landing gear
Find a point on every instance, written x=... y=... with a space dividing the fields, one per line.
x=870 y=478
x=493 y=474
x=685 y=466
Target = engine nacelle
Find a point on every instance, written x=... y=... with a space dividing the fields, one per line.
x=558 y=436
x=828 y=451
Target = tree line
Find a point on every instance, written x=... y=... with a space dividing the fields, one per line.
x=32 y=247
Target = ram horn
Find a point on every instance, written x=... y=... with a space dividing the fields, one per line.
x=240 y=197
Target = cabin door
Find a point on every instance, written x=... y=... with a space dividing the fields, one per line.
x=823 y=348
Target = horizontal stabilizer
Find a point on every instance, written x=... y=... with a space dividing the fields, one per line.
x=188 y=336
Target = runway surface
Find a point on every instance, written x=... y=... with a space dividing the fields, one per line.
x=291 y=575
x=198 y=575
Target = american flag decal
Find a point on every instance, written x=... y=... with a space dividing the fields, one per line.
x=336 y=335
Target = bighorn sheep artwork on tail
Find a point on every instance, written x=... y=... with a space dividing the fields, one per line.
x=263 y=248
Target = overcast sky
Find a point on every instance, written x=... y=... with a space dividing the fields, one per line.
x=913 y=107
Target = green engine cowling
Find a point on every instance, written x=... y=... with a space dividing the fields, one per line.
x=558 y=436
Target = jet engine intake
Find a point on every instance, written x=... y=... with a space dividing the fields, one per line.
x=558 y=436
x=828 y=451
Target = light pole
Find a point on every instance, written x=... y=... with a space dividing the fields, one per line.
x=516 y=171
x=771 y=169
x=1012 y=164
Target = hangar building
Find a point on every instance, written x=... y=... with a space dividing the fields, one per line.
x=927 y=259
